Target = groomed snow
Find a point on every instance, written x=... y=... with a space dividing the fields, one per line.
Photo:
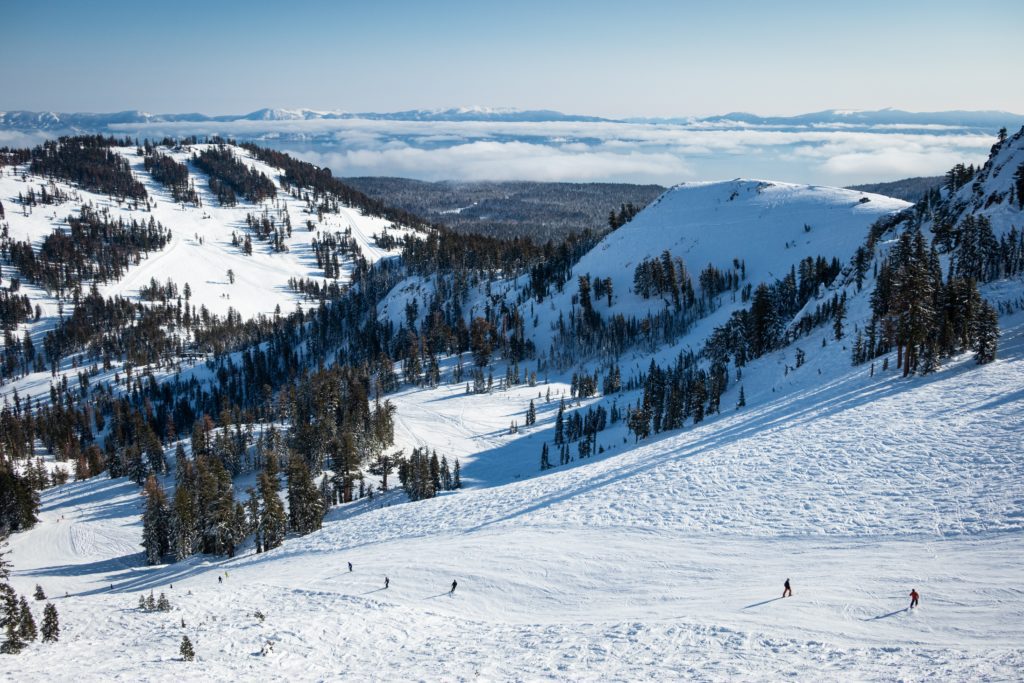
x=661 y=561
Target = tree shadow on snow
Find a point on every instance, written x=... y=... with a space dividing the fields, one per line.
x=109 y=566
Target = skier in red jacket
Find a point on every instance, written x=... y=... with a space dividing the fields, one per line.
x=913 y=598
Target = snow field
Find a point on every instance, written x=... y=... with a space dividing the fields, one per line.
x=663 y=561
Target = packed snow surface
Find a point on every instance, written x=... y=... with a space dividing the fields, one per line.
x=664 y=560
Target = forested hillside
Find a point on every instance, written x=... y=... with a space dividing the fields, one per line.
x=537 y=211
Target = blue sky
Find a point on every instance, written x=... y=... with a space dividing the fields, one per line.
x=640 y=58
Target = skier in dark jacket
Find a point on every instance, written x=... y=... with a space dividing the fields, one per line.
x=913 y=598
x=387 y=582
x=455 y=585
x=787 y=592
x=350 y=566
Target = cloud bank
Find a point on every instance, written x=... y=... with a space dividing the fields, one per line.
x=662 y=152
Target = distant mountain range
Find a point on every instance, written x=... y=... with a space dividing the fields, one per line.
x=879 y=117
x=83 y=122
x=48 y=120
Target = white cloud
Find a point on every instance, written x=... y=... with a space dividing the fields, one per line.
x=505 y=161
x=17 y=138
x=893 y=162
x=639 y=152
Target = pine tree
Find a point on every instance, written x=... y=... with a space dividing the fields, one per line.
x=305 y=507
x=186 y=651
x=560 y=425
x=457 y=475
x=273 y=522
x=840 y=317
x=639 y=422
x=5 y=565
x=10 y=615
x=986 y=334
x=150 y=602
x=184 y=522
x=156 y=524
x=51 y=625
x=39 y=594
x=12 y=645
x=446 y=474
x=163 y=604
x=742 y=400
x=216 y=507
x=26 y=623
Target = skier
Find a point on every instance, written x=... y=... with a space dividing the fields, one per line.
x=387 y=582
x=787 y=592
x=350 y=566
x=220 y=579
x=455 y=585
x=913 y=598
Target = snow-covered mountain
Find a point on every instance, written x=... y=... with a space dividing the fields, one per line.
x=633 y=555
x=103 y=122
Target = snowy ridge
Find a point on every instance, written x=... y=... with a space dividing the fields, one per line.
x=989 y=193
x=200 y=252
x=761 y=223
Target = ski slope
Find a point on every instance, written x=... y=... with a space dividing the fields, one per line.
x=663 y=560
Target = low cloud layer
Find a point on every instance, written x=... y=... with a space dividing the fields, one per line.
x=659 y=152
x=505 y=161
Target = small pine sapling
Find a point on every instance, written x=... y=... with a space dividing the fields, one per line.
x=51 y=625
x=187 y=653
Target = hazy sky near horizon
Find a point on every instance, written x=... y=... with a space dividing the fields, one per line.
x=642 y=58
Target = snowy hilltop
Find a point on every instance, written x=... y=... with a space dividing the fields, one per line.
x=278 y=429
